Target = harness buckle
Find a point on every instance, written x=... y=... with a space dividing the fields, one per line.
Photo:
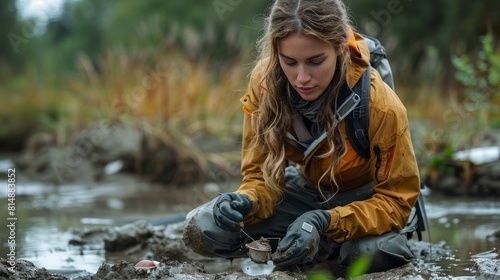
x=349 y=104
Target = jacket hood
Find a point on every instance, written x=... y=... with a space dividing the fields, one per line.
x=360 y=57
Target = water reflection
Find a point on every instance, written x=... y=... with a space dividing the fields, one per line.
x=46 y=214
x=464 y=224
x=46 y=246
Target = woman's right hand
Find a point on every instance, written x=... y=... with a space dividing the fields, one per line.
x=230 y=209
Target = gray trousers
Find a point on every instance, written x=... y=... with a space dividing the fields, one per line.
x=387 y=251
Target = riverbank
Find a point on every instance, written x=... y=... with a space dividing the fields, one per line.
x=123 y=219
x=175 y=261
x=64 y=224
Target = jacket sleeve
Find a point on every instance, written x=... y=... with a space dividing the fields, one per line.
x=394 y=171
x=253 y=185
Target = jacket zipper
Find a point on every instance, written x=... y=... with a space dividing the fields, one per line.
x=376 y=150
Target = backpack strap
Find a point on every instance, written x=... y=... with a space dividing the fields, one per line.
x=357 y=122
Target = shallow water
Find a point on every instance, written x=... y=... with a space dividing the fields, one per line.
x=46 y=214
x=465 y=224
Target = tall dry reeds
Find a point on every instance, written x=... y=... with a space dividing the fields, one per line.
x=171 y=99
x=172 y=92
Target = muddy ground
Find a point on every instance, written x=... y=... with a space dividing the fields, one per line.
x=144 y=241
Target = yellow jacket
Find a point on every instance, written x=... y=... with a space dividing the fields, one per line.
x=397 y=183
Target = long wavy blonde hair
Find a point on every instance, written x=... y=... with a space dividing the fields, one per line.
x=323 y=19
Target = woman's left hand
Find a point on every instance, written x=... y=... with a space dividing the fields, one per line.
x=301 y=241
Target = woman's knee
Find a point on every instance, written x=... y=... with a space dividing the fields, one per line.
x=385 y=252
x=195 y=227
x=204 y=237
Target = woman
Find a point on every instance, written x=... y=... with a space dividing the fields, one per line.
x=331 y=203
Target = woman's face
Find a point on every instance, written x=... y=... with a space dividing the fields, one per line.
x=308 y=63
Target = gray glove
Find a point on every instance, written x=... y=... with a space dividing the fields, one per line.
x=230 y=209
x=302 y=238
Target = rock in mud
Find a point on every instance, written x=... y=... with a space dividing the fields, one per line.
x=488 y=264
x=427 y=251
x=25 y=270
x=488 y=268
x=115 y=239
x=140 y=239
x=166 y=242
x=121 y=238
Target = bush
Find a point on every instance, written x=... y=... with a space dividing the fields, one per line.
x=481 y=79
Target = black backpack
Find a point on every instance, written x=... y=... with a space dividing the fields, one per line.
x=357 y=123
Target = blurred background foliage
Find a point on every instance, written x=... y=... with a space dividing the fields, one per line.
x=415 y=33
x=182 y=65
